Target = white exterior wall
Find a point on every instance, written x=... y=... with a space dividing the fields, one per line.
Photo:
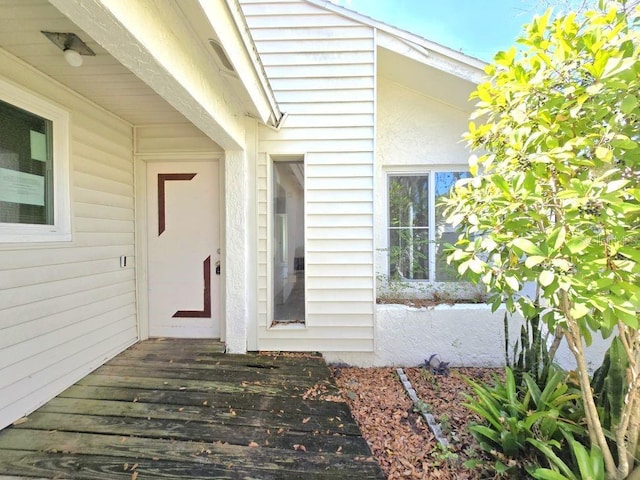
x=414 y=133
x=467 y=335
x=321 y=66
x=65 y=308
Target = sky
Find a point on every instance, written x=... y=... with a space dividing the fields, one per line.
x=479 y=28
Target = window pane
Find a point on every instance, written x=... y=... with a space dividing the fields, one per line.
x=288 y=242
x=445 y=233
x=409 y=253
x=408 y=201
x=25 y=167
x=408 y=227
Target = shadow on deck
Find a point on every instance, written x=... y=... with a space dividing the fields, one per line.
x=182 y=409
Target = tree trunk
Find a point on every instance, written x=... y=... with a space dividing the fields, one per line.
x=558 y=335
x=594 y=426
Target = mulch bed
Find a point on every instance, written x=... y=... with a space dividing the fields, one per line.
x=399 y=437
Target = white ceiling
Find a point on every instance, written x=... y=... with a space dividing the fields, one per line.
x=102 y=79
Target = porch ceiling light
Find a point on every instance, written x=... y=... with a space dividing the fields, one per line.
x=71 y=45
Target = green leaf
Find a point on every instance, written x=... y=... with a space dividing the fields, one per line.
x=584 y=461
x=534 y=260
x=630 y=252
x=616 y=185
x=578 y=244
x=512 y=282
x=629 y=103
x=546 y=278
x=527 y=246
x=604 y=154
x=547 y=474
x=548 y=452
x=579 y=310
x=476 y=266
x=559 y=238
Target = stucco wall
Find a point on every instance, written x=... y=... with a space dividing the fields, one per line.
x=466 y=335
x=413 y=129
x=463 y=334
x=414 y=134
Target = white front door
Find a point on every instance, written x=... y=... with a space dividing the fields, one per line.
x=184 y=249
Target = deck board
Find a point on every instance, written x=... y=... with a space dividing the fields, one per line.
x=183 y=409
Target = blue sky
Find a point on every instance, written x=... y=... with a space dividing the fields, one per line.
x=479 y=28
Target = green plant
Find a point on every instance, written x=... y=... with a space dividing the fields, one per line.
x=590 y=464
x=530 y=353
x=443 y=454
x=555 y=195
x=514 y=416
x=610 y=385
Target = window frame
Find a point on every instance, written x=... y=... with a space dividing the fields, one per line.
x=272 y=322
x=60 y=230
x=430 y=173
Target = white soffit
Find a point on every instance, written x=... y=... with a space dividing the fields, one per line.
x=227 y=20
x=156 y=42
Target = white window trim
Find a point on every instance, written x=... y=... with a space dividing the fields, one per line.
x=272 y=159
x=420 y=172
x=60 y=231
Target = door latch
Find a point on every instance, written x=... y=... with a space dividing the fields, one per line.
x=218 y=267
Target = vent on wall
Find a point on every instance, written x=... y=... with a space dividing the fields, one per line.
x=222 y=55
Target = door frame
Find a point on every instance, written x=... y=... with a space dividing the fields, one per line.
x=141 y=231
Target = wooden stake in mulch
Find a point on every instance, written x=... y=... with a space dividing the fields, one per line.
x=419 y=405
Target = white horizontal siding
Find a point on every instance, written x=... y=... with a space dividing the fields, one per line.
x=320 y=71
x=65 y=308
x=321 y=66
x=182 y=138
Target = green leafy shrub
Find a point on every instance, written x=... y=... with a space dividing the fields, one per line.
x=555 y=198
x=516 y=418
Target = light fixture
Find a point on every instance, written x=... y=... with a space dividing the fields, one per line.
x=72 y=57
x=71 y=45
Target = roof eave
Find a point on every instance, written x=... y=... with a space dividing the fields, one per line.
x=246 y=60
x=468 y=66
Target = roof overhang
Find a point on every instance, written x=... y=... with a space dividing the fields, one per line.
x=167 y=45
x=417 y=63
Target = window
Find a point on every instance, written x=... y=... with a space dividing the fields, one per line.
x=417 y=228
x=34 y=197
x=288 y=242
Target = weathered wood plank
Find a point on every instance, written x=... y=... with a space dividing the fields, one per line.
x=182 y=409
x=314 y=442
x=197 y=385
x=130 y=449
x=255 y=358
x=258 y=377
x=99 y=467
x=246 y=401
x=227 y=368
x=285 y=418
x=193 y=345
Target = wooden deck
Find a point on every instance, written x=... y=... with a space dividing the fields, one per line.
x=182 y=409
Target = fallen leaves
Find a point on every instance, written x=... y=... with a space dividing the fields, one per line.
x=402 y=444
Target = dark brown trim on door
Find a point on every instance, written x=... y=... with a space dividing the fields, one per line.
x=206 y=312
x=163 y=177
